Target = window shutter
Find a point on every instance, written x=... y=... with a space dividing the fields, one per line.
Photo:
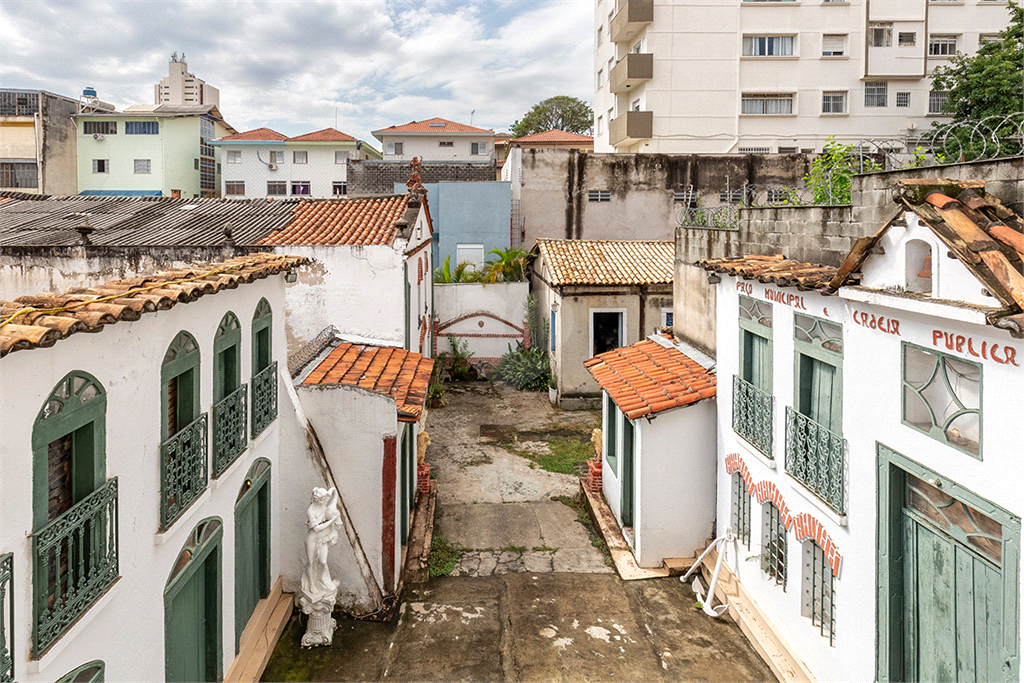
x=823 y=391
x=391 y=148
x=833 y=44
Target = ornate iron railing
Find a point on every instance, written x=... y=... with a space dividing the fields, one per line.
x=74 y=561
x=183 y=470
x=816 y=457
x=752 y=411
x=264 y=399
x=6 y=617
x=229 y=434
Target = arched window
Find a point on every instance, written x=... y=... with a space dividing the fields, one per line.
x=918 y=263
x=183 y=465
x=229 y=395
x=264 y=369
x=773 y=544
x=92 y=672
x=819 y=590
x=192 y=607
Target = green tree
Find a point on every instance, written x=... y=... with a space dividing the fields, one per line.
x=511 y=266
x=830 y=179
x=989 y=82
x=560 y=112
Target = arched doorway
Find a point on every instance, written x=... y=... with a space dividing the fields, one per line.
x=192 y=607
x=252 y=543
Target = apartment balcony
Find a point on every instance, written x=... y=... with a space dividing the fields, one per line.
x=634 y=69
x=630 y=127
x=230 y=436
x=632 y=17
x=816 y=457
x=183 y=470
x=752 y=412
x=74 y=560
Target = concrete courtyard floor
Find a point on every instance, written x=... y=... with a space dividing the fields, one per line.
x=532 y=599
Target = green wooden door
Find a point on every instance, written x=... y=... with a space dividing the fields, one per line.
x=187 y=632
x=628 y=473
x=252 y=552
x=953 y=608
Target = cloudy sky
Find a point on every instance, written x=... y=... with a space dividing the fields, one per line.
x=290 y=65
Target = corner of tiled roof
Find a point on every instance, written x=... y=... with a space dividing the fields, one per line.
x=608 y=262
x=351 y=221
x=774 y=269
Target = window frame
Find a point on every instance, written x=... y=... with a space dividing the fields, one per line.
x=741 y=503
x=300 y=184
x=233 y=156
x=815 y=351
x=911 y=41
x=99 y=127
x=818 y=590
x=752 y=45
x=774 y=545
x=339 y=184
x=105 y=163
x=231 y=188
x=340 y=156
x=844 y=100
x=300 y=156
x=876 y=94
x=937 y=368
x=939 y=44
x=903 y=98
x=886 y=34
x=937 y=102
x=188 y=363
x=622 y=326
x=138 y=163
x=764 y=99
x=599 y=195
x=284 y=188
x=611 y=443
x=141 y=127
x=834 y=53
x=276 y=157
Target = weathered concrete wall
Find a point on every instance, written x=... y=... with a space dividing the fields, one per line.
x=481 y=315
x=554 y=187
x=379 y=177
x=58 y=168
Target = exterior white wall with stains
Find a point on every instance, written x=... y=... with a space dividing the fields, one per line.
x=126 y=358
x=504 y=300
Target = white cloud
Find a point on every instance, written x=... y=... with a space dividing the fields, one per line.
x=290 y=65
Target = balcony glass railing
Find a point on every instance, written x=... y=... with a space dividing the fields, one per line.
x=816 y=457
x=264 y=399
x=752 y=412
x=74 y=561
x=183 y=470
x=230 y=436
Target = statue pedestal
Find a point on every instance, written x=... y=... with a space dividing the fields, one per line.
x=320 y=626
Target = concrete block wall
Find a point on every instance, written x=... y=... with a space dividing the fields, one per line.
x=379 y=177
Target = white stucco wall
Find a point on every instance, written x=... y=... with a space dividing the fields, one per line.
x=321 y=170
x=872 y=376
x=428 y=148
x=126 y=358
x=505 y=300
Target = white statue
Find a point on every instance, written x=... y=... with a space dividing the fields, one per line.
x=318 y=591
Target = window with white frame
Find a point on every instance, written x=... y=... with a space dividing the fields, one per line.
x=470 y=253
x=907 y=39
x=99 y=127
x=277 y=188
x=876 y=94
x=666 y=317
x=101 y=165
x=277 y=157
x=985 y=38
x=937 y=101
x=773 y=544
x=478 y=148
x=340 y=157
x=833 y=45
x=606 y=331
x=396 y=148
x=767 y=46
x=300 y=187
x=339 y=188
x=600 y=35
x=741 y=509
x=599 y=195
x=300 y=157
x=819 y=591
x=767 y=104
x=142 y=165
x=600 y=77
x=833 y=102
x=941 y=45
x=600 y=125
x=234 y=187
x=902 y=99
x=446 y=143
x=234 y=156
x=880 y=34
x=636 y=105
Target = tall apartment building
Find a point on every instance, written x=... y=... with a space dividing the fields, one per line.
x=38 y=142
x=183 y=87
x=692 y=76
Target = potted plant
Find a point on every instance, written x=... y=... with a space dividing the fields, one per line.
x=435 y=395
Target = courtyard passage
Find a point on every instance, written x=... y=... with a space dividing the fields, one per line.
x=529 y=592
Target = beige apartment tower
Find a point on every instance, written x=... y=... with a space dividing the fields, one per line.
x=182 y=87
x=770 y=76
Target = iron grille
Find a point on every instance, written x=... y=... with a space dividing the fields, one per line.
x=741 y=509
x=310 y=350
x=752 y=411
x=773 y=559
x=6 y=617
x=229 y=434
x=820 y=592
x=74 y=562
x=183 y=470
x=816 y=457
x=264 y=399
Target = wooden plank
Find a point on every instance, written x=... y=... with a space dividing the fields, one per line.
x=936 y=624
x=988 y=592
x=910 y=650
x=967 y=638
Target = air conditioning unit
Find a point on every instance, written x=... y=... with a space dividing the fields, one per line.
x=272 y=166
x=97 y=136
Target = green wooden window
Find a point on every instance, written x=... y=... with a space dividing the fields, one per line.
x=773 y=545
x=942 y=397
x=193 y=609
x=93 y=672
x=6 y=617
x=230 y=396
x=819 y=591
x=264 y=369
x=753 y=403
x=252 y=543
x=741 y=509
x=611 y=422
x=183 y=464
x=627 y=504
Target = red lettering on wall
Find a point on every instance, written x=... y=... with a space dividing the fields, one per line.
x=745 y=287
x=970 y=347
x=880 y=323
x=992 y=352
x=936 y=336
x=958 y=342
x=1010 y=354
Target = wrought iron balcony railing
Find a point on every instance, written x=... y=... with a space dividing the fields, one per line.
x=816 y=457
x=264 y=399
x=229 y=434
x=183 y=470
x=752 y=413
x=74 y=561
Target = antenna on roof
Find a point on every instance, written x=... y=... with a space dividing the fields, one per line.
x=174 y=56
x=182 y=57
x=471 y=117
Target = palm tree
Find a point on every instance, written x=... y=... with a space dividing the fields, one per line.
x=463 y=272
x=512 y=266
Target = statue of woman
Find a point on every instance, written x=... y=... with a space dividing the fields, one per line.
x=322 y=521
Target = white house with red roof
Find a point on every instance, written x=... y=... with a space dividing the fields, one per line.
x=436 y=139
x=264 y=163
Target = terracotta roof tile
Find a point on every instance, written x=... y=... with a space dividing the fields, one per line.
x=775 y=269
x=425 y=127
x=41 y=320
x=383 y=369
x=553 y=136
x=325 y=135
x=599 y=262
x=647 y=378
x=342 y=221
x=256 y=134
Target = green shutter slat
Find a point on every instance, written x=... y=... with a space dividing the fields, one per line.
x=936 y=624
x=967 y=644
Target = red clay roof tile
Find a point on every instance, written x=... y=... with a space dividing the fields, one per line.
x=608 y=262
x=342 y=222
x=325 y=135
x=256 y=134
x=425 y=127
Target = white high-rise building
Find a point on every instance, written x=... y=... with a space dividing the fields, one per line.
x=719 y=76
x=182 y=87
